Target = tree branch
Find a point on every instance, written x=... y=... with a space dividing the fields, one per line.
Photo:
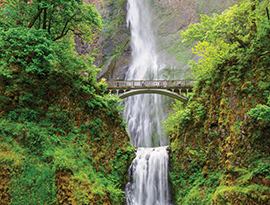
x=65 y=26
x=62 y=35
x=50 y=22
x=49 y=27
x=267 y=11
x=63 y=31
x=39 y=19
x=51 y=17
x=35 y=18
x=242 y=43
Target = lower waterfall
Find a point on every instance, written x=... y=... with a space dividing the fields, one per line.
x=148 y=178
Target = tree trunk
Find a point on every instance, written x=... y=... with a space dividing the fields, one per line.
x=44 y=18
x=35 y=18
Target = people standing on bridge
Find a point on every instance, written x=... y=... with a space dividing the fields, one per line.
x=117 y=82
x=143 y=83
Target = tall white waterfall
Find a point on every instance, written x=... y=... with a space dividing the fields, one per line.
x=144 y=113
x=148 y=184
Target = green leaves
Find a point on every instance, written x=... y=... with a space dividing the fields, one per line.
x=27 y=50
x=234 y=20
x=218 y=37
x=51 y=113
x=261 y=112
x=35 y=176
x=58 y=17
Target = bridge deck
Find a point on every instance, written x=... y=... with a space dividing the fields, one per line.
x=147 y=87
x=157 y=84
x=171 y=88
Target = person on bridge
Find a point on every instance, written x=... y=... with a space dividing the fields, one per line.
x=143 y=83
x=117 y=82
x=179 y=84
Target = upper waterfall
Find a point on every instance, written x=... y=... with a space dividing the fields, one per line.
x=144 y=113
x=142 y=41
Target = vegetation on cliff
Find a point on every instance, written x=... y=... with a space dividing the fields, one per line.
x=62 y=140
x=220 y=143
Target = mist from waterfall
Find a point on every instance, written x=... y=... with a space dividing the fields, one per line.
x=144 y=113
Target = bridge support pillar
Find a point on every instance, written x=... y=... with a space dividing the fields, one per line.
x=172 y=90
x=125 y=91
x=187 y=92
x=180 y=92
x=132 y=83
x=110 y=92
x=117 y=92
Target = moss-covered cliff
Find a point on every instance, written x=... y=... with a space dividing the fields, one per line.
x=220 y=146
x=62 y=140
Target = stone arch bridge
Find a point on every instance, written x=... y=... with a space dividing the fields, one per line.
x=177 y=89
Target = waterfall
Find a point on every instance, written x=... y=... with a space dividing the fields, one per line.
x=144 y=113
x=148 y=184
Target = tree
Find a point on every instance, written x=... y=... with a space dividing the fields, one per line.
x=58 y=17
x=219 y=36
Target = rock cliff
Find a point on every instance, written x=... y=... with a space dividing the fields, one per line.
x=111 y=48
x=171 y=17
x=112 y=51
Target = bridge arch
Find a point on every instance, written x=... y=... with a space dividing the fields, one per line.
x=153 y=91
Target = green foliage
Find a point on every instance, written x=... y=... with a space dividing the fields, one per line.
x=44 y=154
x=218 y=37
x=173 y=117
x=59 y=18
x=35 y=185
x=59 y=132
x=261 y=112
x=224 y=129
x=28 y=49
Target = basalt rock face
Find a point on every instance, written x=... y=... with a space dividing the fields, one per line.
x=111 y=48
x=173 y=16
x=112 y=51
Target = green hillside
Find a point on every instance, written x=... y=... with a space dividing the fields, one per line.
x=62 y=140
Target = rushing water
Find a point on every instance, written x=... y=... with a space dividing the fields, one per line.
x=149 y=185
x=144 y=113
x=148 y=173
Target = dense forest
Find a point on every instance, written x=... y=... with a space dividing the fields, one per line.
x=63 y=140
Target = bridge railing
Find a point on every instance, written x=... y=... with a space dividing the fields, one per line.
x=151 y=83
